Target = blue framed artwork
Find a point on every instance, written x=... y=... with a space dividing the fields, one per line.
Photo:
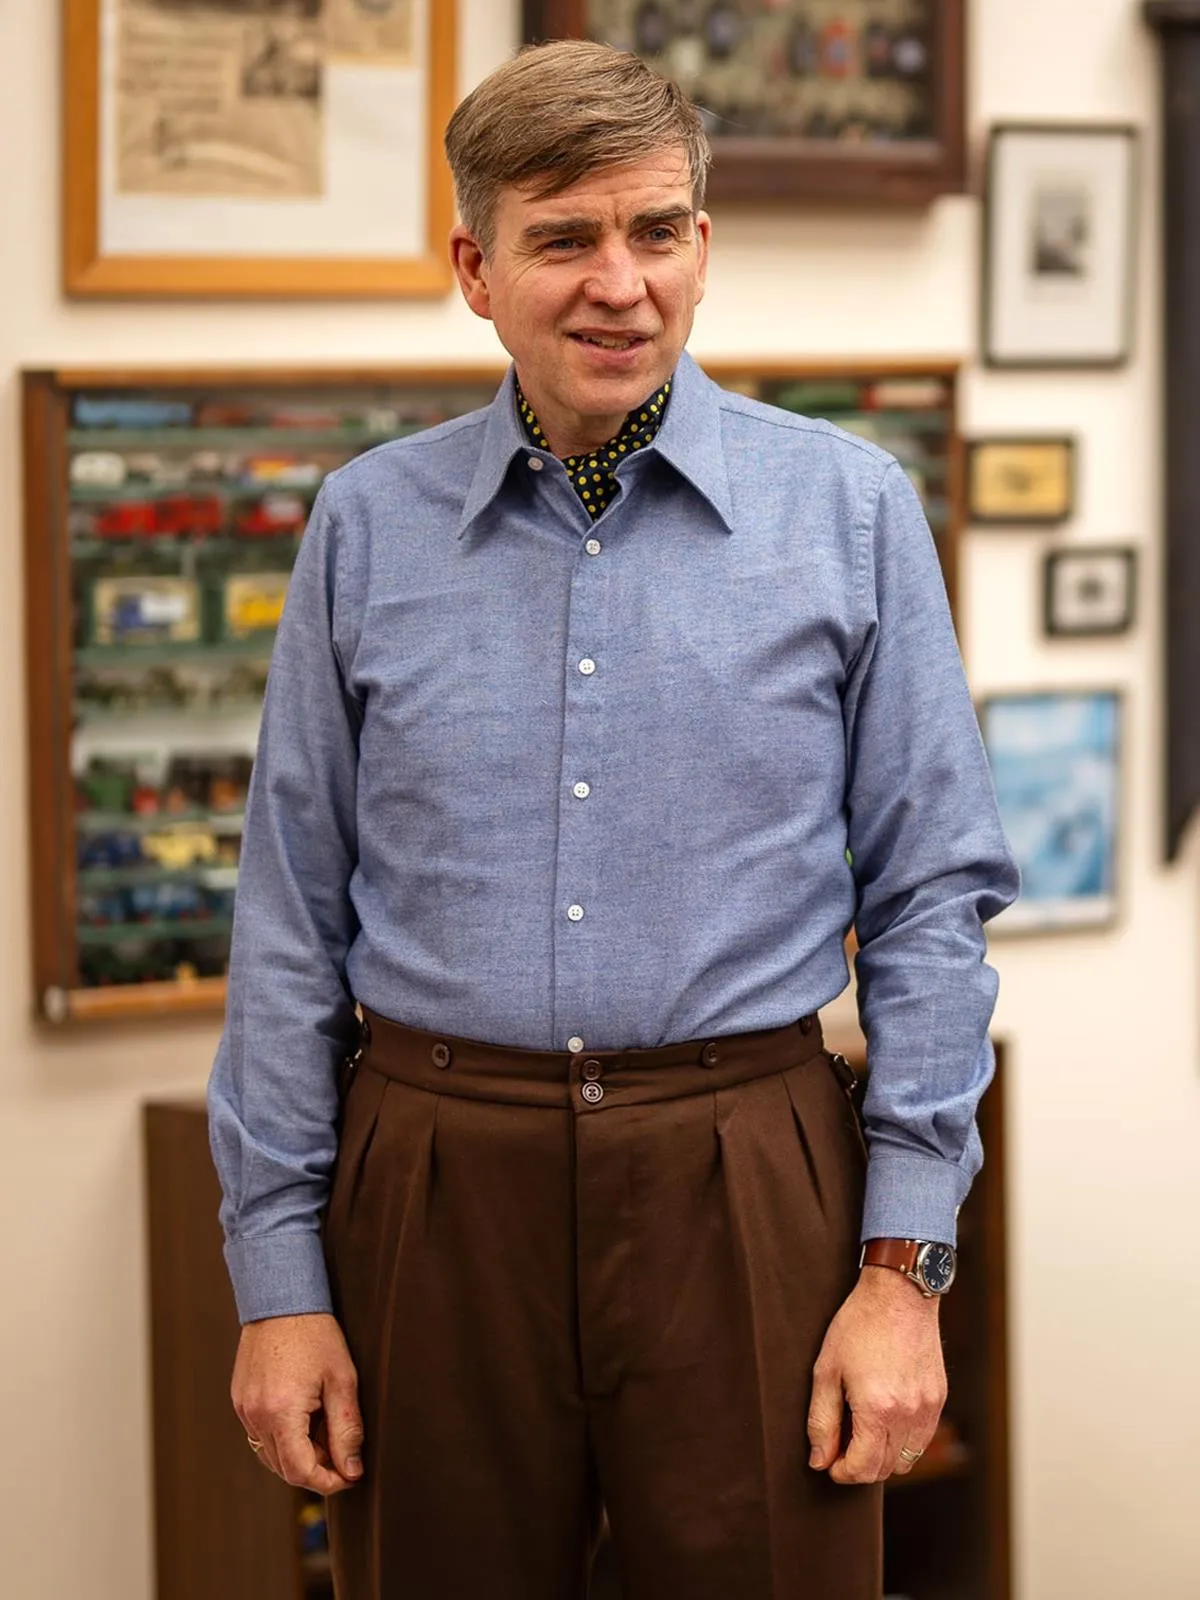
x=1056 y=763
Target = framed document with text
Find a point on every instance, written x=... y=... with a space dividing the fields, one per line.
x=256 y=147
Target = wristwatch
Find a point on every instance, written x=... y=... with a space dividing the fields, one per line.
x=930 y=1266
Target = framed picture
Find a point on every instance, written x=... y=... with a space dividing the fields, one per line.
x=1021 y=482
x=256 y=147
x=1056 y=762
x=1089 y=592
x=1059 y=237
x=851 y=100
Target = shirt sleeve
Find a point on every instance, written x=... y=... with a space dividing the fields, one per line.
x=931 y=865
x=290 y=1018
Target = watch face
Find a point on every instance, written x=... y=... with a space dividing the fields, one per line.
x=936 y=1265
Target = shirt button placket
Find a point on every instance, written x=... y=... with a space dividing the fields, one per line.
x=579 y=864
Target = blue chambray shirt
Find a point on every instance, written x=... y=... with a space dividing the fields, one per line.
x=524 y=776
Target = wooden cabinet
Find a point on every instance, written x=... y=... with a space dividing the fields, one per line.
x=225 y=1529
x=163 y=512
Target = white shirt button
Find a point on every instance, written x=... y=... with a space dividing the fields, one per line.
x=581 y=791
x=587 y=666
x=575 y=913
x=536 y=463
x=593 y=547
x=575 y=1044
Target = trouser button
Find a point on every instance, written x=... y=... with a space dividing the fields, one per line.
x=593 y=1093
x=591 y=1070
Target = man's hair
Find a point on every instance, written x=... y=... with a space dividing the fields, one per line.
x=557 y=112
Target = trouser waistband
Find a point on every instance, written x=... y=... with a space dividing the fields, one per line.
x=585 y=1080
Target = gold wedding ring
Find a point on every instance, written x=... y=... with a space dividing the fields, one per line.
x=255 y=1444
x=910 y=1456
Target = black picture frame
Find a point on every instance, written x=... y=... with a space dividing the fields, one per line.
x=1113 y=613
x=1057 y=450
x=1079 y=214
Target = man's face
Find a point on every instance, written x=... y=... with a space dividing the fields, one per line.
x=592 y=291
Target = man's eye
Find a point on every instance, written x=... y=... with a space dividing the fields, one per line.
x=660 y=235
x=561 y=245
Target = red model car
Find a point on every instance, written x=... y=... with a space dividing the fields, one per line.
x=126 y=519
x=274 y=514
x=190 y=513
x=198 y=514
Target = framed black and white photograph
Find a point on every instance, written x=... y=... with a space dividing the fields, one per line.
x=1056 y=762
x=1089 y=592
x=1059 y=244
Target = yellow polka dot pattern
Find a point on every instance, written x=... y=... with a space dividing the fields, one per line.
x=593 y=476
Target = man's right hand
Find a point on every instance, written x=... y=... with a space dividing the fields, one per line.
x=295 y=1390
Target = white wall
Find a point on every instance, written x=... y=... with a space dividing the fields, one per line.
x=1104 y=1069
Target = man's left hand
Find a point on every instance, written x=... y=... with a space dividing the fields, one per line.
x=882 y=1356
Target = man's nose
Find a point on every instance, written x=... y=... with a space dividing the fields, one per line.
x=616 y=278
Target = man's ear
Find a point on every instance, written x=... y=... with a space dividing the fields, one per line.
x=703 y=227
x=470 y=268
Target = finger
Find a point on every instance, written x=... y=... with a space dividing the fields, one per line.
x=258 y=1438
x=867 y=1453
x=825 y=1417
x=298 y=1461
x=916 y=1439
x=268 y=1456
x=344 y=1428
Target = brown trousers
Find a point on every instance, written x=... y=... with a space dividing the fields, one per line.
x=570 y=1281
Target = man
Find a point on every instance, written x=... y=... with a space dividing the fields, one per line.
x=595 y=720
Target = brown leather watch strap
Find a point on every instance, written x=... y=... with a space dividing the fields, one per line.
x=899 y=1253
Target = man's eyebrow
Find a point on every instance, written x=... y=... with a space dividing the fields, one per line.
x=560 y=227
x=650 y=219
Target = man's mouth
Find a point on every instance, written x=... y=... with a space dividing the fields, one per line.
x=610 y=341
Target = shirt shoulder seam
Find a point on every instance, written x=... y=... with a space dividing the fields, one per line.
x=802 y=424
x=448 y=429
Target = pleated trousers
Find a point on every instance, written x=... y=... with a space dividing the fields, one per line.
x=571 y=1282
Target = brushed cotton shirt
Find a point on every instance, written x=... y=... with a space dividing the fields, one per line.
x=557 y=781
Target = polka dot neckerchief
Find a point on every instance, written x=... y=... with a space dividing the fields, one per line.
x=593 y=475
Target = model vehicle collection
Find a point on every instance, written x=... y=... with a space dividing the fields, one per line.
x=184 y=515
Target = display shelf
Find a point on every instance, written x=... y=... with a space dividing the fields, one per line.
x=124 y=932
x=121 y=1002
x=205 y=560
x=163 y=821
x=254 y=437
x=159 y=655
x=89 y=715
x=128 y=877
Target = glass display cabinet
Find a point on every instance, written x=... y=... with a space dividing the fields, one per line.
x=857 y=100
x=163 y=514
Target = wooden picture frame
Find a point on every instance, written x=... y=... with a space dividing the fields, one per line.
x=1089 y=592
x=1021 y=481
x=1060 y=231
x=863 y=168
x=284 y=155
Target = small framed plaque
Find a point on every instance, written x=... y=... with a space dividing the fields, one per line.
x=853 y=100
x=1021 y=482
